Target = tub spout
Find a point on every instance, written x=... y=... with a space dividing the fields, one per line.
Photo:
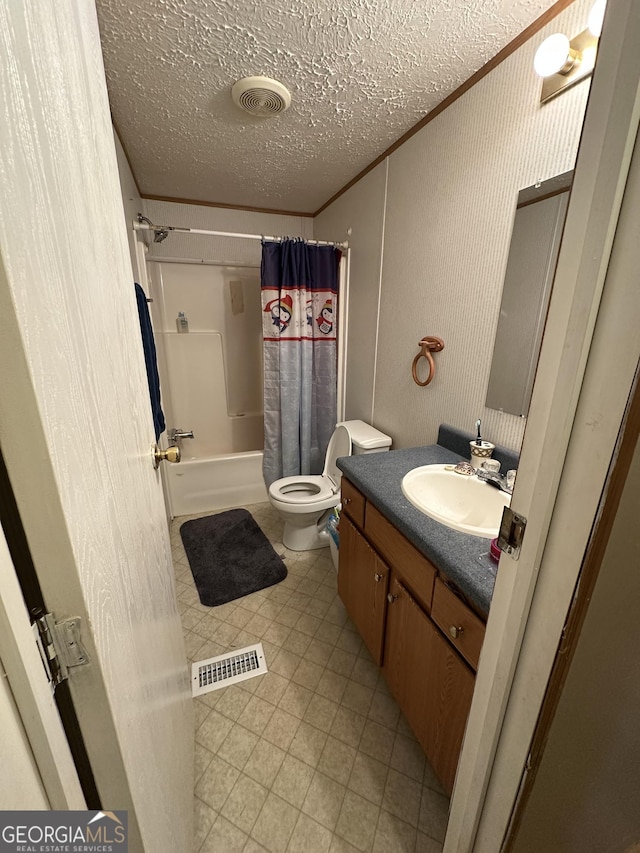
x=178 y=434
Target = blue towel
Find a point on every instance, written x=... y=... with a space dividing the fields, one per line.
x=150 y=361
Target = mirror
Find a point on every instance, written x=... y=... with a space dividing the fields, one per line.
x=535 y=243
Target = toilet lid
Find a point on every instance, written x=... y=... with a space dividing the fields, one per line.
x=339 y=445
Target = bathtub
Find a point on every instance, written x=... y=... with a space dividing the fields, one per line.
x=217 y=482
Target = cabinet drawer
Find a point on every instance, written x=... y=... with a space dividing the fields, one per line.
x=411 y=566
x=460 y=625
x=353 y=502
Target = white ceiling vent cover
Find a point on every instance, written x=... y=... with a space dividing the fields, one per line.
x=261 y=96
x=213 y=673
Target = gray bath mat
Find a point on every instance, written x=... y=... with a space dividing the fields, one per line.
x=229 y=556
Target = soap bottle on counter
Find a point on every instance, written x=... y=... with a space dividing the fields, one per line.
x=181 y=322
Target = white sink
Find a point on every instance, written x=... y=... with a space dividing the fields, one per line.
x=459 y=501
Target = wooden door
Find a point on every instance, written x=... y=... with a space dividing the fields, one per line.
x=430 y=682
x=75 y=419
x=363 y=583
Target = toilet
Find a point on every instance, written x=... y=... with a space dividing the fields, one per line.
x=305 y=501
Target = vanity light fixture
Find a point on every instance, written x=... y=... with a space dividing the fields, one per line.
x=562 y=62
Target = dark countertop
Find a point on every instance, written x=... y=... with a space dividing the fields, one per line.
x=464 y=559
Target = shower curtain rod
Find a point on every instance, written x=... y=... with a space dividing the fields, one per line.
x=162 y=231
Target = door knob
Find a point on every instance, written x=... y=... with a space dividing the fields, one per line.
x=171 y=454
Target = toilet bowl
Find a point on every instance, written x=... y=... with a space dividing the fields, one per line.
x=305 y=501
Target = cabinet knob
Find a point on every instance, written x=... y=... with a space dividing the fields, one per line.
x=391 y=598
x=378 y=577
x=456 y=632
x=346 y=501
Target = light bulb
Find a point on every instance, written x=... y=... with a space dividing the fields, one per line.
x=553 y=55
x=596 y=17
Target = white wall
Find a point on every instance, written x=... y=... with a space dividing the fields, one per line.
x=448 y=214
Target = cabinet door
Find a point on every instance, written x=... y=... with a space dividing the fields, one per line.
x=362 y=585
x=407 y=656
x=444 y=730
x=430 y=682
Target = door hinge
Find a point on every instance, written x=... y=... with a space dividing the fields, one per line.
x=511 y=534
x=59 y=645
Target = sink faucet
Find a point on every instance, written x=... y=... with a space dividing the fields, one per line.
x=494 y=478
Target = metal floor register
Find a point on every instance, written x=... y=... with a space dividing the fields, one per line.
x=211 y=674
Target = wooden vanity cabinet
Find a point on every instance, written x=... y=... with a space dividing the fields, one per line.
x=425 y=638
x=363 y=587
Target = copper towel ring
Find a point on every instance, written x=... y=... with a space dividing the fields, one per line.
x=427 y=346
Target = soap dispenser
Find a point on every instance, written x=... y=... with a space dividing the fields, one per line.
x=181 y=322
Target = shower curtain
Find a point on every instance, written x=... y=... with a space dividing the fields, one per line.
x=299 y=285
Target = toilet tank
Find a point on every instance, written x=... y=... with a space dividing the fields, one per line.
x=366 y=438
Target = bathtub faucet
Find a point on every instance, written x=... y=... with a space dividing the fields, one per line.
x=177 y=434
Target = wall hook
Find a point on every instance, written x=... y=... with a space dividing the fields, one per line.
x=427 y=345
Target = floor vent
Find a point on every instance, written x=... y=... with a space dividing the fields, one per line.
x=211 y=674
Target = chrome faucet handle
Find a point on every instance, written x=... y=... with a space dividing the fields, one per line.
x=494 y=478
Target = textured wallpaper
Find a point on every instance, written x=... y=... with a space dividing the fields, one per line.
x=361 y=212
x=450 y=203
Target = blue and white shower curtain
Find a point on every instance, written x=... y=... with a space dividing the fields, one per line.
x=299 y=285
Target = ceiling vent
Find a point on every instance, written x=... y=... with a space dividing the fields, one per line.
x=261 y=96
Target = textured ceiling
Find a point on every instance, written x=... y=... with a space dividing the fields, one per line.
x=361 y=74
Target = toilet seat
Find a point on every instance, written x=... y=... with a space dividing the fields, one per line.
x=314 y=490
x=303 y=490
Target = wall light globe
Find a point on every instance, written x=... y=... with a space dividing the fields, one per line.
x=552 y=55
x=596 y=17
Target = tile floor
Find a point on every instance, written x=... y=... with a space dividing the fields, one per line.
x=314 y=756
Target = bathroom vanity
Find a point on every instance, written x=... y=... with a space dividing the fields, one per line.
x=419 y=594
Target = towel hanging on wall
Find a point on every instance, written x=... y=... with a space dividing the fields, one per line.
x=150 y=361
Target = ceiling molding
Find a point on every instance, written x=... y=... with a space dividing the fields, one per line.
x=226 y=206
